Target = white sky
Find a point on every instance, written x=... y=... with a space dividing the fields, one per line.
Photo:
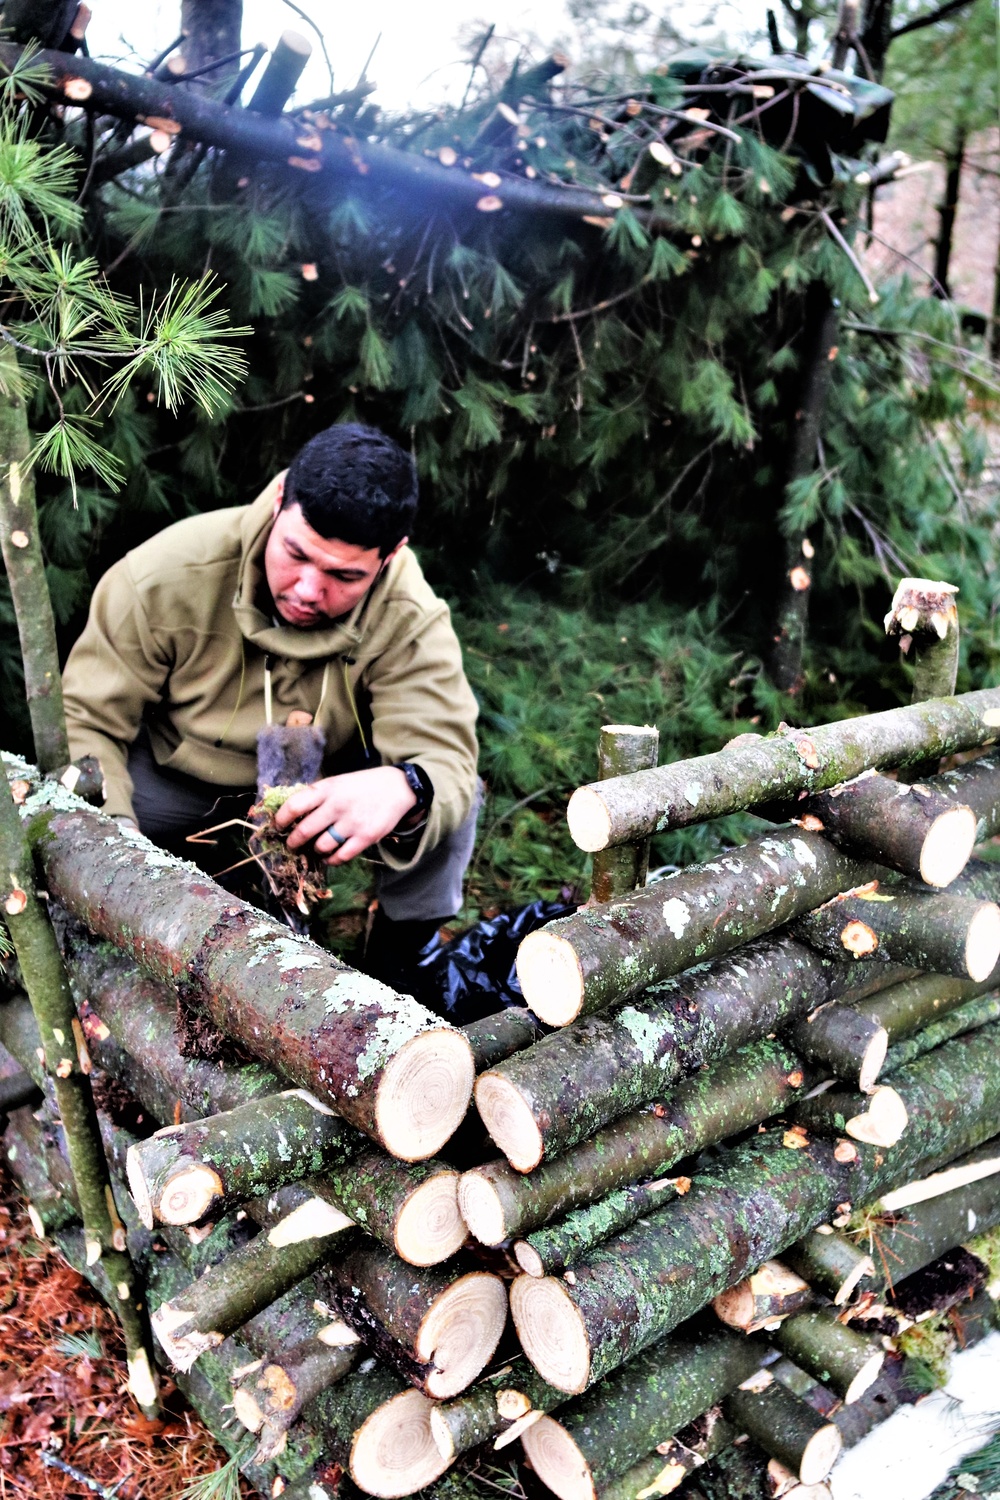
x=418 y=60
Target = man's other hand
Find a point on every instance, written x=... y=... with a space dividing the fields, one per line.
x=362 y=807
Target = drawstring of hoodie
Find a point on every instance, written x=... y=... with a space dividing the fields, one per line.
x=269 y=698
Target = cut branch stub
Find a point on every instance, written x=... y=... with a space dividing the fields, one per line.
x=924 y=614
x=831 y=1263
x=915 y=829
x=761 y=769
x=579 y=964
x=945 y=934
x=381 y=1060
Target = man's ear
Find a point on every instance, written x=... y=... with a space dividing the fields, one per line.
x=279 y=496
x=387 y=559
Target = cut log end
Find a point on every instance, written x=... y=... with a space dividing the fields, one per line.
x=430 y=1227
x=138 y=1189
x=948 y=846
x=551 y=1331
x=865 y=1377
x=820 y=1454
x=557 y=1460
x=461 y=1331
x=481 y=1208
x=864 y=1269
x=872 y=1060
x=528 y=1259
x=247 y=1409
x=883 y=1122
x=188 y=1196
x=441 y=1433
x=589 y=820
x=394 y=1452
x=424 y=1094
x=982 y=946
x=550 y=976
x=510 y=1123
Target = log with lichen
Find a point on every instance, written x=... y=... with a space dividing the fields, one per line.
x=879 y=1118
x=591 y=1440
x=832 y=1263
x=963 y=1018
x=663 y=1471
x=761 y=1300
x=578 y=964
x=787 y=1428
x=622 y=1172
x=759 y=769
x=763 y=1196
x=382 y=1061
x=838 y=1355
x=499 y=1406
x=944 y=934
x=622 y=749
x=540 y=1102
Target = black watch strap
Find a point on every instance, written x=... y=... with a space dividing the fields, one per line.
x=420 y=785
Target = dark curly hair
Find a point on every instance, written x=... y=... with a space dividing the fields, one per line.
x=356 y=485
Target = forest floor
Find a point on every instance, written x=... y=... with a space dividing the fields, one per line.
x=63 y=1402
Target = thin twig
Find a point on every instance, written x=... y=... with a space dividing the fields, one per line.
x=53 y=1462
x=484 y=42
x=322 y=40
x=161 y=57
x=836 y=235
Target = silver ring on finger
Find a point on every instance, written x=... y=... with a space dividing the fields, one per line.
x=338 y=838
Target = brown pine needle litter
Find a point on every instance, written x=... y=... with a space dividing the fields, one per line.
x=62 y=1388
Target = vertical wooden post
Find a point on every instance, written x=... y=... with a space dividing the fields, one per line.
x=924 y=616
x=623 y=748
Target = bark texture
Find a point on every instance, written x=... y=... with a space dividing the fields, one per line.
x=499 y=1036
x=831 y=1263
x=965 y=1018
x=623 y=748
x=944 y=934
x=977 y=785
x=491 y=1407
x=837 y=1355
x=786 y=1428
x=915 y=829
x=347 y=1038
x=669 y=1465
x=579 y=964
x=640 y=1285
x=774 y=767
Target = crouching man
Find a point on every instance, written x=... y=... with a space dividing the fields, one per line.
x=307 y=600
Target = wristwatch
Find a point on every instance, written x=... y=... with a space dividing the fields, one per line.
x=422 y=787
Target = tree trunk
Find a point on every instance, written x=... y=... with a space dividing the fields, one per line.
x=438 y=1328
x=381 y=1060
x=832 y=1264
x=22 y=554
x=965 y=1018
x=943 y=934
x=594 y=1185
x=67 y=1065
x=623 y=748
x=876 y=34
x=44 y=22
x=600 y=1435
x=819 y=338
x=765 y=1195
x=915 y=829
x=838 y=1356
x=238 y=1288
x=954 y=162
x=212 y=30
x=755 y=770
x=541 y=1102
x=579 y=964
x=786 y=1428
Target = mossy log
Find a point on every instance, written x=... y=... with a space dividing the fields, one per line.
x=623 y=748
x=977 y=785
x=501 y=1035
x=579 y=964
x=492 y=1408
x=667 y=1467
x=915 y=1003
x=596 y=1179
x=914 y=829
x=831 y=1263
x=594 y=1439
x=964 y=1018
x=745 y=1471
x=843 y=1040
x=839 y=1356
x=766 y=1194
x=879 y=1118
x=769 y=768
x=439 y=1328
x=381 y=1060
x=186 y=1173
x=762 y=1299
x=228 y=1294
x=944 y=934
x=541 y=1102
x=787 y=1428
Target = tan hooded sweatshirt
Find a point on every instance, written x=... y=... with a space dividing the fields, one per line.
x=176 y=637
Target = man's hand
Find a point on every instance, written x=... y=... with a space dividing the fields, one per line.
x=362 y=806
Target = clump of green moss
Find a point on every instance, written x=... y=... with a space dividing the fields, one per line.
x=987 y=1248
x=297 y=877
x=928 y=1347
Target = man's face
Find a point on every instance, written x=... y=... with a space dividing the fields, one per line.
x=314 y=579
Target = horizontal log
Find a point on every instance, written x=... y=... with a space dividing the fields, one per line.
x=501 y=1035
x=964 y=1018
x=768 y=768
x=382 y=1061
x=975 y=784
x=765 y=1195
x=745 y=1471
x=843 y=1040
x=831 y=1263
x=908 y=1007
x=839 y=1356
x=596 y=1180
x=578 y=964
x=492 y=1408
x=878 y=1118
x=670 y=1463
x=770 y=1293
x=786 y=1428
x=593 y=1439
x=945 y=934
x=541 y=1102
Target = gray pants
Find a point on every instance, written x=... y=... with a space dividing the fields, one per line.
x=169 y=806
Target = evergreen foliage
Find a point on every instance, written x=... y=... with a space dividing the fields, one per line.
x=601 y=412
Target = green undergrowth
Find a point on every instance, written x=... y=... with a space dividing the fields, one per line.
x=987 y=1248
x=976 y=1474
